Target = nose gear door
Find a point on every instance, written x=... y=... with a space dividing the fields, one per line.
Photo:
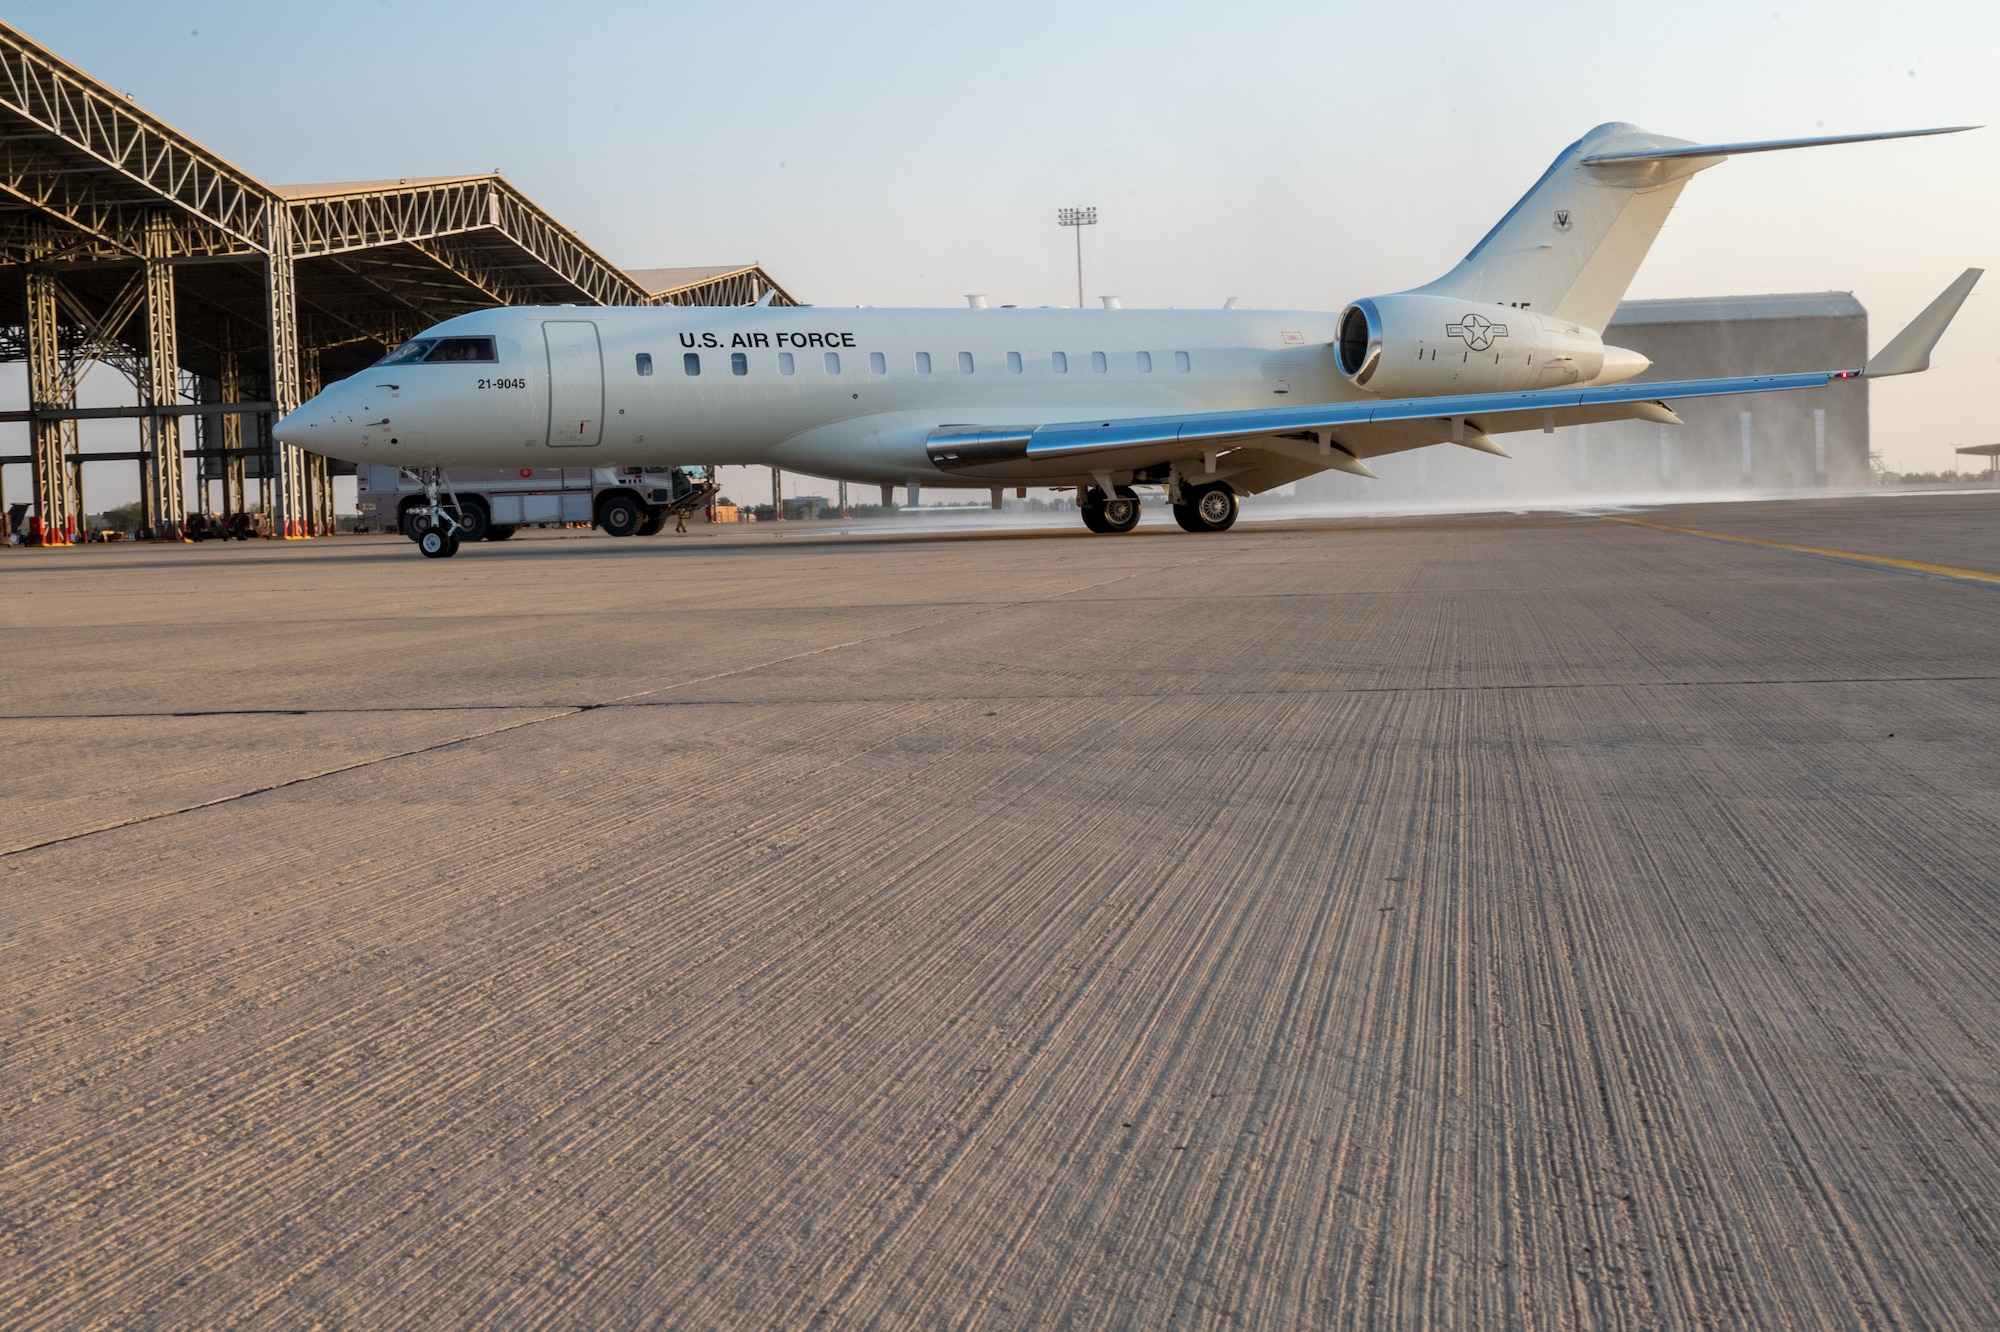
x=576 y=383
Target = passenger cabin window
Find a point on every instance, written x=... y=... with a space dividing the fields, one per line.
x=923 y=363
x=1098 y=365
x=643 y=362
x=785 y=366
x=462 y=349
x=739 y=364
x=833 y=363
x=1145 y=363
x=1059 y=363
x=1181 y=362
x=965 y=363
x=878 y=363
x=1013 y=363
x=691 y=363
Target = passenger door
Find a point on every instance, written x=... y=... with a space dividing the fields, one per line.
x=576 y=383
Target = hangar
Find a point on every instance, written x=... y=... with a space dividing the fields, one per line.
x=227 y=301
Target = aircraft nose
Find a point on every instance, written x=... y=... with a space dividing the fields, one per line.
x=318 y=425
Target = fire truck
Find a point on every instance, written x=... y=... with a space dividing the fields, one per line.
x=493 y=503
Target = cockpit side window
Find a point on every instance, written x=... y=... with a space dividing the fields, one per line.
x=462 y=349
x=413 y=350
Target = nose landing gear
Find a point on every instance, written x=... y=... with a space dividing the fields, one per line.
x=438 y=524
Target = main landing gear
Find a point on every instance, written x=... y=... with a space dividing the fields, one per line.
x=1209 y=508
x=1117 y=512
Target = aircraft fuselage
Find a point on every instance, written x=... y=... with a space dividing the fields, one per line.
x=849 y=394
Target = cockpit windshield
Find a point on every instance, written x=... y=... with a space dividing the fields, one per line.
x=462 y=349
x=413 y=350
x=434 y=350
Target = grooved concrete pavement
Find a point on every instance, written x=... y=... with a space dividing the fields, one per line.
x=1527 y=921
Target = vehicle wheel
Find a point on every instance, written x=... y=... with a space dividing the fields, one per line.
x=656 y=521
x=620 y=515
x=1211 y=508
x=500 y=531
x=1121 y=511
x=1090 y=507
x=473 y=521
x=436 y=545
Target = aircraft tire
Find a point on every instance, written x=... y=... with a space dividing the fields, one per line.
x=620 y=515
x=1121 y=511
x=436 y=545
x=1210 y=508
x=1093 y=517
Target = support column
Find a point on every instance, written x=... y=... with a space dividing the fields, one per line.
x=52 y=524
x=1744 y=473
x=285 y=486
x=777 y=496
x=912 y=495
x=163 y=483
x=888 y=496
x=1819 y=446
x=318 y=475
x=233 y=471
x=845 y=512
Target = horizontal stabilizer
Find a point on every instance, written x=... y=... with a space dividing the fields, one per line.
x=1910 y=350
x=1760 y=146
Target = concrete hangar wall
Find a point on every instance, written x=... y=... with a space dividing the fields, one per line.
x=1771 y=442
x=224 y=301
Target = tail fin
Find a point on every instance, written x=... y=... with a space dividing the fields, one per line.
x=1570 y=247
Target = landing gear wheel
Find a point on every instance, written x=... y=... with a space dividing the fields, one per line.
x=437 y=545
x=1093 y=516
x=656 y=522
x=1121 y=511
x=1210 y=508
x=620 y=515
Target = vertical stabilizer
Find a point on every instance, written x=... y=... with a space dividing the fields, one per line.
x=1569 y=248
x=1571 y=245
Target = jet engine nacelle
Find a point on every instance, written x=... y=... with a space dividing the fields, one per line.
x=1410 y=345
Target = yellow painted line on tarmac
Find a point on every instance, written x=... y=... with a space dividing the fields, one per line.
x=1881 y=561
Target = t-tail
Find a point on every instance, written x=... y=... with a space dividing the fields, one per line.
x=1526 y=309
x=1572 y=244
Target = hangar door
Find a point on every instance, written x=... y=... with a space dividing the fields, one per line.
x=576 y=383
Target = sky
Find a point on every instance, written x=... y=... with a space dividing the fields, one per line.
x=1289 y=155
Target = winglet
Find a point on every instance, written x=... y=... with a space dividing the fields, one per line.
x=1910 y=350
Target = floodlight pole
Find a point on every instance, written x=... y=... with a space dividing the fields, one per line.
x=1078 y=218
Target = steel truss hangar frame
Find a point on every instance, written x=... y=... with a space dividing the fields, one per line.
x=222 y=298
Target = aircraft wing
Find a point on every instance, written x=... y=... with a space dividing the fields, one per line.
x=1258 y=448
x=1298 y=441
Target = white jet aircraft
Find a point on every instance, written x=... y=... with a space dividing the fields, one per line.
x=1208 y=405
